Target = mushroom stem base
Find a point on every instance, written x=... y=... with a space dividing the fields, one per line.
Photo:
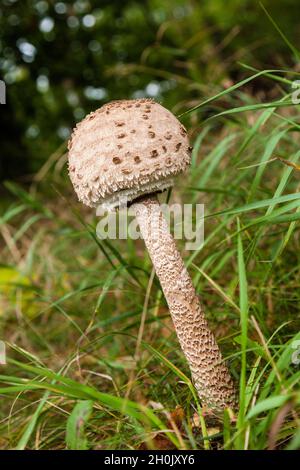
x=209 y=372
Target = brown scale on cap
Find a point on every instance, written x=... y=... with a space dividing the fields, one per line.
x=107 y=137
x=182 y=131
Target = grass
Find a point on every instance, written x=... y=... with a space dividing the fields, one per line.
x=93 y=360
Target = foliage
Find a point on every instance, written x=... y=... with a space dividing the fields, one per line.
x=62 y=59
x=72 y=306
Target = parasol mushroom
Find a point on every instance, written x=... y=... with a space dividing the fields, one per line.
x=129 y=150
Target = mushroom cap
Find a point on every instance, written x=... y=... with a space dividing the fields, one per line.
x=126 y=149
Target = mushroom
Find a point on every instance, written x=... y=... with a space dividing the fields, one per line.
x=128 y=151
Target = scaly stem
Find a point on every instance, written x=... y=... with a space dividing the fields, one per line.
x=210 y=375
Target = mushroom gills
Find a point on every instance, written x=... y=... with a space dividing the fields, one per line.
x=122 y=198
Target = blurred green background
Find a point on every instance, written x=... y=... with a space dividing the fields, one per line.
x=62 y=59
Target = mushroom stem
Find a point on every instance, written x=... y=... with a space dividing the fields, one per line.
x=210 y=375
